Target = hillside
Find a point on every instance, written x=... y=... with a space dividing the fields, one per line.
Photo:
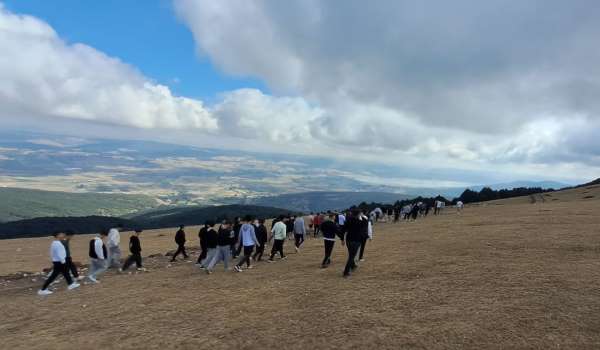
x=320 y=200
x=19 y=204
x=163 y=218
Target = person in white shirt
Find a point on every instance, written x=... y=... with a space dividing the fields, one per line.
x=98 y=256
x=58 y=255
x=459 y=206
x=278 y=233
x=341 y=219
x=114 y=249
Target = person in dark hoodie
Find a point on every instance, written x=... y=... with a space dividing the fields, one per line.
x=262 y=235
x=224 y=237
x=355 y=228
x=135 y=248
x=212 y=240
x=237 y=224
x=180 y=240
x=203 y=249
x=330 y=232
x=247 y=240
x=69 y=261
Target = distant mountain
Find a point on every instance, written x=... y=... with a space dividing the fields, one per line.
x=19 y=204
x=322 y=201
x=197 y=215
x=163 y=218
x=45 y=226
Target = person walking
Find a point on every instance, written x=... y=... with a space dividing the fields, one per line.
x=114 y=249
x=70 y=266
x=299 y=232
x=278 y=234
x=363 y=243
x=317 y=220
x=135 y=250
x=211 y=238
x=262 y=236
x=224 y=237
x=98 y=256
x=354 y=230
x=247 y=240
x=203 y=249
x=330 y=232
x=180 y=240
x=58 y=256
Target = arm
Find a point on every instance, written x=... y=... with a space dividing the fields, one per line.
x=256 y=242
x=370 y=230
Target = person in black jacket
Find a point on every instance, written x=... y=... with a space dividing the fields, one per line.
x=180 y=240
x=203 y=249
x=211 y=240
x=262 y=236
x=355 y=229
x=237 y=224
x=330 y=231
x=224 y=237
x=135 y=248
x=69 y=261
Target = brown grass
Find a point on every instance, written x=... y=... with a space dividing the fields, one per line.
x=507 y=274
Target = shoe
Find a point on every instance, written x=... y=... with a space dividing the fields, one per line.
x=44 y=292
x=270 y=261
x=250 y=267
x=141 y=269
x=73 y=285
x=346 y=275
x=297 y=249
x=208 y=272
x=361 y=260
x=237 y=269
x=198 y=264
x=93 y=279
x=120 y=270
x=284 y=258
x=80 y=278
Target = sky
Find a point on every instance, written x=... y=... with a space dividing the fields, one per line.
x=502 y=87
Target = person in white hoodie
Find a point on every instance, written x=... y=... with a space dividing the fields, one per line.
x=98 y=256
x=58 y=255
x=114 y=249
x=248 y=240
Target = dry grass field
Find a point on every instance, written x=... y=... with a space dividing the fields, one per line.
x=507 y=274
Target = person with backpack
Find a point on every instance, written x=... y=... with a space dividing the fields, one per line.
x=98 y=256
x=354 y=230
x=58 y=255
x=262 y=236
x=180 y=240
x=247 y=240
x=135 y=248
x=224 y=237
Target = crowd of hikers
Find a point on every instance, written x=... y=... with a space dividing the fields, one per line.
x=244 y=239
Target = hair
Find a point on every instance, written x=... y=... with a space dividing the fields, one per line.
x=181 y=226
x=103 y=233
x=138 y=230
x=209 y=223
x=261 y=221
x=120 y=225
x=248 y=218
x=56 y=233
x=70 y=233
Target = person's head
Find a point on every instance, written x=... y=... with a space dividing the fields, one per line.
x=226 y=224
x=137 y=232
x=103 y=234
x=247 y=218
x=59 y=235
x=209 y=223
x=181 y=227
x=356 y=213
x=261 y=221
x=69 y=234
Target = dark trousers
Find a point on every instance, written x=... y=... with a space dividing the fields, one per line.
x=247 y=254
x=134 y=257
x=71 y=267
x=58 y=268
x=260 y=249
x=180 y=250
x=203 y=253
x=328 y=249
x=317 y=229
x=363 y=244
x=353 y=248
x=277 y=248
x=299 y=240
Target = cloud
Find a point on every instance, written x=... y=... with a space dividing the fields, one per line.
x=460 y=82
x=43 y=76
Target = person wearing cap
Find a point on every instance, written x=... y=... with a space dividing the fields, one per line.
x=135 y=248
x=180 y=240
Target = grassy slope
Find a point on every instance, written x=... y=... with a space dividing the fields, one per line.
x=18 y=204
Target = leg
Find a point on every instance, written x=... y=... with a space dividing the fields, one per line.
x=66 y=274
x=351 y=264
x=328 y=250
x=128 y=262
x=179 y=250
x=138 y=260
x=362 y=248
x=55 y=272
x=247 y=254
x=71 y=267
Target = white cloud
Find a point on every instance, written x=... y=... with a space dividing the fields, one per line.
x=43 y=76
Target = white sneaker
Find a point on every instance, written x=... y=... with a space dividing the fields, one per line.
x=120 y=270
x=74 y=285
x=93 y=279
x=44 y=292
x=297 y=250
x=142 y=269
x=80 y=278
x=237 y=268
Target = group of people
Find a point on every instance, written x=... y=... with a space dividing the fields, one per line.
x=245 y=238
